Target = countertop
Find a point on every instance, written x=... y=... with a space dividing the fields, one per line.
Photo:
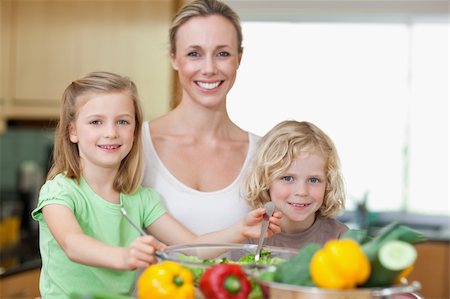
x=25 y=256
x=435 y=228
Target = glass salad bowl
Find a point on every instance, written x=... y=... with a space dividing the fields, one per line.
x=199 y=257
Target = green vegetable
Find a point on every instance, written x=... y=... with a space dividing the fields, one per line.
x=393 y=257
x=397 y=255
x=197 y=272
x=264 y=259
x=380 y=275
x=394 y=231
x=296 y=270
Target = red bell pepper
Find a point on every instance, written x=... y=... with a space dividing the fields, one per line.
x=225 y=281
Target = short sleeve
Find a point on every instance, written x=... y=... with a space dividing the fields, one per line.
x=52 y=192
x=154 y=206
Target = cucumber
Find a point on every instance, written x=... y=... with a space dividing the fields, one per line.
x=397 y=255
x=393 y=257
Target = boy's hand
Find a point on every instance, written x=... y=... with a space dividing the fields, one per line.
x=253 y=221
x=141 y=252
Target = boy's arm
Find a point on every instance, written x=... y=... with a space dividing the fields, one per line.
x=86 y=250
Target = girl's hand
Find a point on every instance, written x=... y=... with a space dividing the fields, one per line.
x=141 y=252
x=252 y=224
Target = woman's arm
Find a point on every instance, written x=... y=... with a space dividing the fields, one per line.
x=170 y=231
x=86 y=250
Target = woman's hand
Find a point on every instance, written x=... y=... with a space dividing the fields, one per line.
x=251 y=227
x=141 y=252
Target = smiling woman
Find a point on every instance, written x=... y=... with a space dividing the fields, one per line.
x=365 y=79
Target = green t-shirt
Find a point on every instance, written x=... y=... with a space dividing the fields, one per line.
x=99 y=219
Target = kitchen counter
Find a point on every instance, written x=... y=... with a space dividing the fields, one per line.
x=433 y=227
x=25 y=255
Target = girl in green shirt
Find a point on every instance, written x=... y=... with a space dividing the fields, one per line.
x=85 y=243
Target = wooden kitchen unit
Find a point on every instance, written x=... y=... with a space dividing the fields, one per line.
x=432 y=269
x=24 y=285
x=47 y=44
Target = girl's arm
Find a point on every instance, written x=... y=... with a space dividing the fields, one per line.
x=86 y=250
x=248 y=228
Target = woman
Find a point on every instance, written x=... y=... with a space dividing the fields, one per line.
x=195 y=155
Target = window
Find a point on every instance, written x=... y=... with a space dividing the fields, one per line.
x=379 y=89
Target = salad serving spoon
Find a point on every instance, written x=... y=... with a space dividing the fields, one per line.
x=270 y=208
x=159 y=254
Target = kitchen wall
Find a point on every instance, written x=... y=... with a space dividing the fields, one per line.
x=19 y=146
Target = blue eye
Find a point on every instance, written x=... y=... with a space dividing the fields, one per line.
x=123 y=122
x=314 y=180
x=193 y=54
x=95 y=122
x=287 y=178
x=223 y=54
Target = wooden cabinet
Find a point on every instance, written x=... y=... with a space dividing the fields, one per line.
x=47 y=44
x=24 y=285
x=432 y=269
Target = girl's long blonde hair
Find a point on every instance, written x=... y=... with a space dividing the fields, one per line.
x=275 y=153
x=66 y=158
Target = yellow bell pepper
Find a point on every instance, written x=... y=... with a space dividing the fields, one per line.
x=340 y=264
x=166 y=280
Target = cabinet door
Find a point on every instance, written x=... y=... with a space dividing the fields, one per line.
x=56 y=42
x=20 y=286
x=432 y=269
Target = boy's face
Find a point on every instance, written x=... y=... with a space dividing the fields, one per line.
x=299 y=192
x=104 y=130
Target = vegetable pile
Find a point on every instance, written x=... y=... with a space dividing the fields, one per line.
x=356 y=260
x=225 y=279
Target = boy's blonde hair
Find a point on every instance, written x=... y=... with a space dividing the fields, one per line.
x=66 y=158
x=275 y=153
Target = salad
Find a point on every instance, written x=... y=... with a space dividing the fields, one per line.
x=266 y=258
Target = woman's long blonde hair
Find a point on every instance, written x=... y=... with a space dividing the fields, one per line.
x=66 y=158
x=275 y=153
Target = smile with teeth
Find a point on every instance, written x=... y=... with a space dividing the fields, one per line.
x=299 y=205
x=109 y=147
x=208 y=85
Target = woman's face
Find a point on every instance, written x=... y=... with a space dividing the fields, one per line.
x=207 y=59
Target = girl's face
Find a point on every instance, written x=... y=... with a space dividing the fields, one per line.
x=299 y=192
x=207 y=59
x=104 y=130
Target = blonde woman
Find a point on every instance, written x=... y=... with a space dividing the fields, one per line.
x=195 y=155
x=297 y=167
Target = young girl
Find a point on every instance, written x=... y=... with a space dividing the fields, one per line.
x=297 y=167
x=85 y=243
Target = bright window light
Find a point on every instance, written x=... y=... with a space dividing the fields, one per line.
x=380 y=91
